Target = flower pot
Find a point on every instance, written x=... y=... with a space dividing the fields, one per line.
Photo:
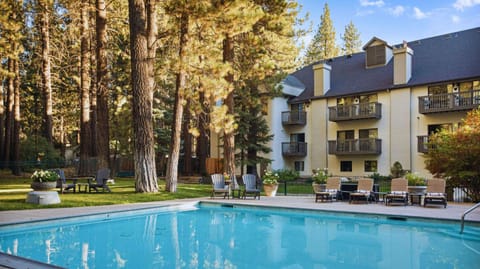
x=43 y=186
x=270 y=189
x=416 y=193
x=417 y=189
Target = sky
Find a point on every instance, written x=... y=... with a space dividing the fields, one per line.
x=393 y=20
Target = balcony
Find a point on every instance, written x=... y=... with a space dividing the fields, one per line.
x=448 y=102
x=294 y=149
x=422 y=141
x=355 y=112
x=294 y=117
x=366 y=146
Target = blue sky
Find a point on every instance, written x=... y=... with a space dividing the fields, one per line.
x=395 y=21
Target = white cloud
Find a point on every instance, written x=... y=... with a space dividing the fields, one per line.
x=455 y=19
x=396 y=11
x=418 y=14
x=367 y=3
x=362 y=13
x=462 y=4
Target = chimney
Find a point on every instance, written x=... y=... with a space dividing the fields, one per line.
x=321 y=78
x=402 y=64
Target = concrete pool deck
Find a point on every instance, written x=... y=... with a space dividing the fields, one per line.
x=453 y=211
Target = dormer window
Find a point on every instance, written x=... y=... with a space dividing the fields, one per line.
x=378 y=53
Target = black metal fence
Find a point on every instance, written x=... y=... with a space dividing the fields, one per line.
x=304 y=187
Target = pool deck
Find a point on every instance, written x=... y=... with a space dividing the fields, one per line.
x=453 y=211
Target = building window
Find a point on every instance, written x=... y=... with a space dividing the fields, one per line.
x=346 y=166
x=376 y=55
x=300 y=137
x=370 y=166
x=299 y=166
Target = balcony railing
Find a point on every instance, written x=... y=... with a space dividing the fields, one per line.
x=449 y=102
x=367 y=146
x=297 y=149
x=294 y=117
x=355 y=112
x=422 y=145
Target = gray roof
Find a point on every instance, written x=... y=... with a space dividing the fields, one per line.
x=443 y=58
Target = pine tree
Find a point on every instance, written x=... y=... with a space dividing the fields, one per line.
x=323 y=45
x=143 y=35
x=351 y=40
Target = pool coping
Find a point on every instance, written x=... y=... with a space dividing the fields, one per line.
x=453 y=212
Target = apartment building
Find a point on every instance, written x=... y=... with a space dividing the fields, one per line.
x=358 y=114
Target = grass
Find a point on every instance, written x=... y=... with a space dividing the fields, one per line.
x=13 y=192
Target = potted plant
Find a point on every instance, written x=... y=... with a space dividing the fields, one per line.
x=270 y=183
x=416 y=183
x=44 y=180
x=319 y=179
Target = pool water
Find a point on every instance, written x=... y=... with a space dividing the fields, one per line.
x=215 y=236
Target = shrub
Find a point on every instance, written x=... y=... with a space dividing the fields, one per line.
x=287 y=174
x=415 y=180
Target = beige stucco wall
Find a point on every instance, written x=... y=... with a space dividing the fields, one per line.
x=397 y=142
x=317 y=155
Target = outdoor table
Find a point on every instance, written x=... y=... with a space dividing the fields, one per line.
x=415 y=198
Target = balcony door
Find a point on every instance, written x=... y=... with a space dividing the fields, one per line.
x=367 y=139
x=296 y=138
x=345 y=140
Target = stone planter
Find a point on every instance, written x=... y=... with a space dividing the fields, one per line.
x=416 y=193
x=270 y=189
x=417 y=189
x=319 y=187
x=43 y=186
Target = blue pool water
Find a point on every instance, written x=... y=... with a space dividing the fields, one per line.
x=215 y=236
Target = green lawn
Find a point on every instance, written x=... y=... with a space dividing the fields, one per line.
x=13 y=192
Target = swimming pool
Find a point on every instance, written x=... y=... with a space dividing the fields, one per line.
x=225 y=236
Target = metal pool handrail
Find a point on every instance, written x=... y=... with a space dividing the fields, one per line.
x=465 y=213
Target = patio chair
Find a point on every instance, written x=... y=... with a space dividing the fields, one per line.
x=398 y=192
x=364 y=190
x=250 y=182
x=331 y=191
x=219 y=186
x=62 y=181
x=435 y=192
x=100 y=179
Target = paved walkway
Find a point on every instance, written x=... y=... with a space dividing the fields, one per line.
x=453 y=211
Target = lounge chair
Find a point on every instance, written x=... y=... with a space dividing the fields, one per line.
x=364 y=190
x=398 y=192
x=219 y=186
x=435 y=192
x=331 y=191
x=250 y=182
x=62 y=181
x=100 y=179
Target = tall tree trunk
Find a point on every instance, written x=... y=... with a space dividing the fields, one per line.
x=172 y=166
x=93 y=89
x=142 y=18
x=202 y=143
x=102 y=130
x=2 y=123
x=187 y=143
x=229 y=136
x=44 y=6
x=85 y=131
x=16 y=122
x=9 y=115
